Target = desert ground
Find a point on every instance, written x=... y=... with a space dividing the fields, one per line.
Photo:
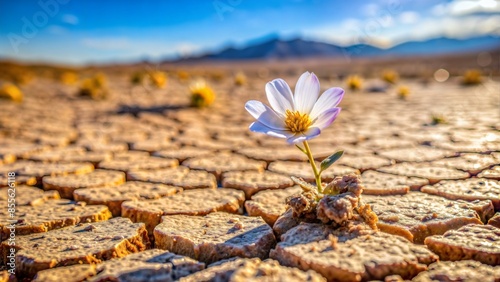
x=140 y=186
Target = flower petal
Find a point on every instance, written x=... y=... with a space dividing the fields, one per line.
x=306 y=92
x=265 y=115
x=326 y=118
x=328 y=100
x=301 y=137
x=279 y=96
x=261 y=128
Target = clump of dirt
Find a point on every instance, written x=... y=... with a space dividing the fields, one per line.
x=339 y=203
x=338 y=208
x=304 y=205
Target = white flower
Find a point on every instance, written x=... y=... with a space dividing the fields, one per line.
x=298 y=117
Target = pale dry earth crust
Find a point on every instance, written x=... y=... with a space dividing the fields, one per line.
x=495 y=220
x=417 y=215
x=154 y=144
x=74 y=156
x=49 y=215
x=190 y=202
x=129 y=191
x=477 y=242
x=379 y=183
x=365 y=162
x=72 y=273
x=415 y=154
x=355 y=254
x=303 y=170
x=184 y=153
x=385 y=143
x=150 y=163
x=21 y=149
x=215 y=237
x=431 y=172
x=57 y=154
x=179 y=176
x=472 y=163
x=131 y=155
x=88 y=243
x=38 y=170
x=28 y=196
x=272 y=154
x=469 y=190
x=20 y=180
x=253 y=270
x=66 y=185
x=270 y=204
x=465 y=270
x=493 y=173
x=223 y=163
x=285 y=222
x=252 y=182
x=150 y=265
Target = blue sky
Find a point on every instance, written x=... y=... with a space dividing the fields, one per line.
x=83 y=31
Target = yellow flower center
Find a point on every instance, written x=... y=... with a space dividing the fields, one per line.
x=297 y=122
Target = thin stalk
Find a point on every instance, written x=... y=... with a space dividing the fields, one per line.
x=300 y=148
x=317 y=173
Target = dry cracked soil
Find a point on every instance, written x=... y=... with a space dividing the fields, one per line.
x=142 y=187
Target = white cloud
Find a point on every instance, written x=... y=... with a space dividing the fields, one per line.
x=70 y=19
x=450 y=27
x=409 y=17
x=186 y=48
x=56 y=29
x=462 y=27
x=351 y=23
x=353 y=32
x=467 y=7
x=344 y=33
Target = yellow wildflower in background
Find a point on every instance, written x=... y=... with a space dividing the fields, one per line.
x=390 y=76
x=472 y=77
x=100 y=80
x=403 y=92
x=94 y=87
x=68 y=78
x=438 y=119
x=11 y=92
x=158 y=79
x=354 y=82
x=240 y=79
x=201 y=94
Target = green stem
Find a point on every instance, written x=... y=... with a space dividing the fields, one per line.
x=317 y=173
x=300 y=148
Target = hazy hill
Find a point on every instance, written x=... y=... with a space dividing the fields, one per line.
x=298 y=48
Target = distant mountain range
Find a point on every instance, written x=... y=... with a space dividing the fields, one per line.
x=278 y=49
